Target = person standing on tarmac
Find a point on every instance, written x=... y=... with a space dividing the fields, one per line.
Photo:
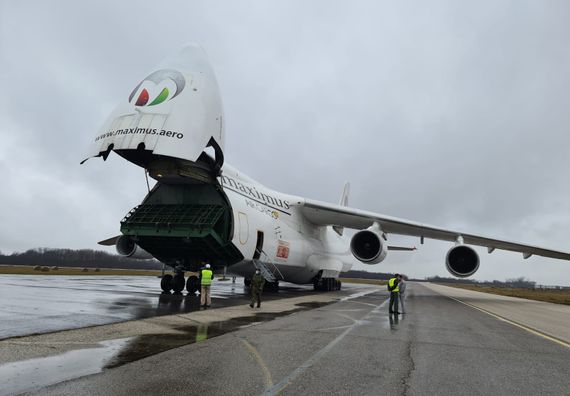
x=402 y=287
x=206 y=278
x=257 y=288
x=394 y=291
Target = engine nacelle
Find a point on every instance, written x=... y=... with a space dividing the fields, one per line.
x=368 y=246
x=127 y=247
x=462 y=261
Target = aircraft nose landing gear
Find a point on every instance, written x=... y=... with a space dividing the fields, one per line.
x=166 y=283
x=177 y=282
x=192 y=284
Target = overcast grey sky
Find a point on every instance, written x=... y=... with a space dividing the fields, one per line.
x=444 y=112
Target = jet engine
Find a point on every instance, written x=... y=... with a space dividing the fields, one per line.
x=462 y=261
x=369 y=246
x=127 y=247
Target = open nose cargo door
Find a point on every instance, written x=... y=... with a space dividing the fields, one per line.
x=165 y=125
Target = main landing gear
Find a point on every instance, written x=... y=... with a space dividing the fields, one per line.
x=176 y=283
x=327 y=284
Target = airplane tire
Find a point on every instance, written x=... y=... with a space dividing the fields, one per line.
x=192 y=284
x=178 y=283
x=317 y=286
x=166 y=283
x=327 y=284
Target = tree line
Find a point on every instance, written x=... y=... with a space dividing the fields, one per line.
x=520 y=282
x=86 y=258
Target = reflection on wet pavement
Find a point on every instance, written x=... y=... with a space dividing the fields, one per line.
x=151 y=344
x=27 y=375
x=394 y=321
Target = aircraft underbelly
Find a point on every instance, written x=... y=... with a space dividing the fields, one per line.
x=291 y=273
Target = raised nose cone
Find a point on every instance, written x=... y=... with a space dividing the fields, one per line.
x=191 y=58
x=175 y=111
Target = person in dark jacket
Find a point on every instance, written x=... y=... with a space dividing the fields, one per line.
x=402 y=287
x=257 y=284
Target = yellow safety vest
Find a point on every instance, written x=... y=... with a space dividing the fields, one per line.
x=207 y=276
x=391 y=283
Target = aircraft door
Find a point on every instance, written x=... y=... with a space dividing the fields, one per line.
x=258 y=246
x=243 y=228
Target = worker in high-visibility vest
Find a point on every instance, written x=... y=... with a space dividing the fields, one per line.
x=394 y=291
x=206 y=278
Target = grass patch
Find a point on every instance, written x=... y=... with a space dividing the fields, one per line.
x=43 y=270
x=378 y=282
x=558 y=296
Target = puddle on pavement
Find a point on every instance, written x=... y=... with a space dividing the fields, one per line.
x=28 y=375
x=314 y=304
x=152 y=344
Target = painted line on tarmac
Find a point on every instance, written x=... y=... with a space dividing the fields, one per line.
x=360 y=294
x=259 y=359
x=281 y=385
x=524 y=327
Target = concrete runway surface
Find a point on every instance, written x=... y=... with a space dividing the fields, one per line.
x=336 y=343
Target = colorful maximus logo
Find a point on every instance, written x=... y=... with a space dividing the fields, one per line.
x=163 y=85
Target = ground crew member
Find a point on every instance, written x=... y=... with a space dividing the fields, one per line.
x=402 y=287
x=206 y=278
x=256 y=288
x=394 y=291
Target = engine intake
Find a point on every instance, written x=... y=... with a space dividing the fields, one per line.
x=368 y=247
x=127 y=247
x=462 y=261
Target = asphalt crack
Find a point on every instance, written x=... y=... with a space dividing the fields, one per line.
x=410 y=368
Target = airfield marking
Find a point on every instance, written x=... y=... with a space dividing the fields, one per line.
x=253 y=351
x=363 y=303
x=281 y=385
x=360 y=294
x=524 y=327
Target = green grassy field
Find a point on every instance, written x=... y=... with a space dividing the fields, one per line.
x=29 y=270
x=548 y=295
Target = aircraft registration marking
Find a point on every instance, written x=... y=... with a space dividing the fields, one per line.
x=282 y=250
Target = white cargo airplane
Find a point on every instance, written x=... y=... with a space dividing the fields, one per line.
x=201 y=209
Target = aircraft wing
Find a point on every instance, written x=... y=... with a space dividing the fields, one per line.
x=322 y=213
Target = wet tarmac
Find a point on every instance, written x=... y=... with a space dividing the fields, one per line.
x=301 y=345
x=34 y=304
